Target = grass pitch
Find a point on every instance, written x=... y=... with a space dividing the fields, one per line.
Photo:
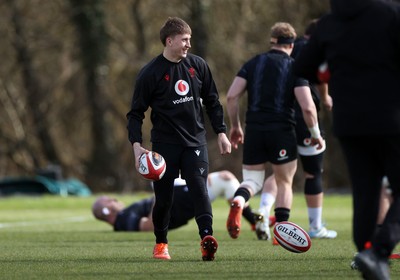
x=51 y=237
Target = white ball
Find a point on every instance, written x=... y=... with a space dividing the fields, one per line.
x=152 y=166
x=292 y=237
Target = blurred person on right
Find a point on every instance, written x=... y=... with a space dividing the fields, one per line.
x=360 y=41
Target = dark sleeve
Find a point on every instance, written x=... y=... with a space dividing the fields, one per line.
x=140 y=104
x=210 y=97
x=129 y=218
x=300 y=82
x=243 y=72
x=310 y=58
x=397 y=29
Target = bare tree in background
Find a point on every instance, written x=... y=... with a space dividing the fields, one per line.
x=89 y=19
x=36 y=96
x=68 y=70
x=199 y=27
x=139 y=27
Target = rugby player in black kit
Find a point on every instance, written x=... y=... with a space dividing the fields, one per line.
x=175 y=85
x=270 y=136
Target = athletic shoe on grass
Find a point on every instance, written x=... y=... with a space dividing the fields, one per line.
x=272 y=221
x=262 y=227
x=322 y=232
x=160 y=251
x=234 y=220
x=371 y=265
x=208 y=246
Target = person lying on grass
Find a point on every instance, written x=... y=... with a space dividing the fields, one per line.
x=138 y=216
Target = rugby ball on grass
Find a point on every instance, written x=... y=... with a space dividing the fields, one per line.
x=292 y=237
x=152 y=166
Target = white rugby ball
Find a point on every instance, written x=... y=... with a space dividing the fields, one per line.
x=292 y=237
x=152 y=166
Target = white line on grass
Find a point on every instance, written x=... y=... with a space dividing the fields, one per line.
x=46 y=222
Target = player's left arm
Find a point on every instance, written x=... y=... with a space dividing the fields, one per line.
x=326 y=99
x=235 y=92
x=304 y=98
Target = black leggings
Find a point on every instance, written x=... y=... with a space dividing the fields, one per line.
x=192 y=162
x=369 y=158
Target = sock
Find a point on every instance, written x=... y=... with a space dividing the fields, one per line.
x=240 y=200
x=204 y=223
x=241 y=196
x=315 y=217
x=267 y=200
x=248 y=215
x=161 y=236
x=282 y=214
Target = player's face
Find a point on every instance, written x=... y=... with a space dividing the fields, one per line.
x=180 y=44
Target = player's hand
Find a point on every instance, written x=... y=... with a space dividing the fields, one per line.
x=138 y=150
x=236 y=137
x=224 y=145
x=319 y=142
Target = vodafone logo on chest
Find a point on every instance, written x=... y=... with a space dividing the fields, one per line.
x=182 y=88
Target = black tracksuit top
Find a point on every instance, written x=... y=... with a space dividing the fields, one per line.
x=175 y=92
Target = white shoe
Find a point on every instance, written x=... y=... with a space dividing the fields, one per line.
x=353 y=264
x=262 y=227
x=322 y=232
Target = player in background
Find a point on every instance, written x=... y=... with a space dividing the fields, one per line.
x=270 y=135
x=310 y=157
x=176 y=85
x=137 y=216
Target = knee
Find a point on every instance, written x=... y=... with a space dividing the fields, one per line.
x=313 y=184
x=226 y=175
x=253 y=180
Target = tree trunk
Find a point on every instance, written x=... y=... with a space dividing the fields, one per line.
x=36 y=94
x=88 y=16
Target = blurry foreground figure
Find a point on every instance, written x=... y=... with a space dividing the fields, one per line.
x=360 y=41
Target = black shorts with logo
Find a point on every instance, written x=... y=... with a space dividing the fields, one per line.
x=277 y=147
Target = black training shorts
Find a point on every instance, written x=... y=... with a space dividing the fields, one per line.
x=277 y=147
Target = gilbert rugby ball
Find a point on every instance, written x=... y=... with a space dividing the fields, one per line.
x=292 y=237
x=152 y=166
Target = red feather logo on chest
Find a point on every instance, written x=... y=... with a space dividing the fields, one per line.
x=182 y=87
x=166 y=77
x=192 y=72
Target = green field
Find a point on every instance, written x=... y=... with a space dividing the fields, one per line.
x=57 y=238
